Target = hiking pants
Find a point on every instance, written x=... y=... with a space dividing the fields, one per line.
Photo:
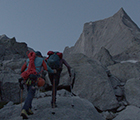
x=29 y=98
x=57 y=78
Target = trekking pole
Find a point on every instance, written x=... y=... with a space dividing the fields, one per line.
x=21 y=82
x=53 y=93
x=53 y=97
x=72 y=104
x=21 y=98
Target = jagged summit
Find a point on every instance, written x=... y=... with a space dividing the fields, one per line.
x=123 y=16
x=3 y=37
x=121 y=12
x=9 y=47
x=117 y=34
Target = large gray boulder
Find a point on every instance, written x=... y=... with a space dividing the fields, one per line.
x=13 y=64
x=82 y=110
x=132 y=53
x=130 y=113
x=104 y=57
x=10 y=73
x=132 y=91
x=125 y=70
x=10 y=90
x=92 y=82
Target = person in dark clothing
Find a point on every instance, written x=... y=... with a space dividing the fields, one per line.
x=56 y=76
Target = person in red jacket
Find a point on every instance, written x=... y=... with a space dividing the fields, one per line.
x=32 y=69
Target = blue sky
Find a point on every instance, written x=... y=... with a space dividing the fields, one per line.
x=54 y=24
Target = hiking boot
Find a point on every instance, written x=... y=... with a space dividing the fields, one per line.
x=24 y=114
x=30 y=112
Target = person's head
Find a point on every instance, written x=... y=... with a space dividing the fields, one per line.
x=38 y=54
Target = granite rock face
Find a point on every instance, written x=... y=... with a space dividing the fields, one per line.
x=118 y=34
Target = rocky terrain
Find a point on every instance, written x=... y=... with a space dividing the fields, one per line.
x=105 y=75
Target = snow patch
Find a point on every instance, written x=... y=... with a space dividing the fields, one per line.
x=131 y=61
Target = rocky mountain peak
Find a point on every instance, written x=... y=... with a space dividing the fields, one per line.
x=10 y=47
x=117 y=34
x=123 y=16
x=120 y=13
x=3 y=38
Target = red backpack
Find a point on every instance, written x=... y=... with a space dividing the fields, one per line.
x=32 y=71
x=31 y=68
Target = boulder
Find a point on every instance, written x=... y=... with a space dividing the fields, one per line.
x=125 y=71
x=92 y=82
x=10 y=90
x=82 y=109
x=130 y=113
x=132 y=91
x=104 y=57
x=14 y=64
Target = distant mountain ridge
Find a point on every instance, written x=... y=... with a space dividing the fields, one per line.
x=117 y=34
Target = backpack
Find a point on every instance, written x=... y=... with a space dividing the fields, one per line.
x=31 y=67
x=54 y=59
x=30 y=75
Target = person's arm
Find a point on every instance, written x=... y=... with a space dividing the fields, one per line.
x=67 y=65
x=44 y=65
x=23 y=67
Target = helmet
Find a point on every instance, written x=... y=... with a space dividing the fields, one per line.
x=38 y=53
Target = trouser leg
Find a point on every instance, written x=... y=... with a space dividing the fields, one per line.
x=29 y=98
x=56 y=77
